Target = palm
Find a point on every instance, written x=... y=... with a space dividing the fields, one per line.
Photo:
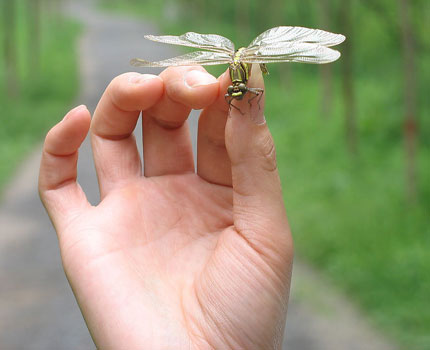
x=169 y=253
x=171 y=260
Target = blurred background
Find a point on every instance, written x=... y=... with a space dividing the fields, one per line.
x=353 y=137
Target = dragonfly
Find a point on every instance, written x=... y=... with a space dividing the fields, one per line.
x=279 y=44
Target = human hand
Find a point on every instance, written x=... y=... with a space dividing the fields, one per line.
x=173 y=259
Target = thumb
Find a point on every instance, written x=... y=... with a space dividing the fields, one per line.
x=259 y=212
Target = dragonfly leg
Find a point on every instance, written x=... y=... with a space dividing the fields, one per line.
x=229 y=100
x=258 y=92
x=264 y=69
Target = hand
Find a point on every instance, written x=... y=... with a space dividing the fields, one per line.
x=173 y=259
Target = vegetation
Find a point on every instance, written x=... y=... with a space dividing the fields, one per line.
x=352 y=142
x=38 y=75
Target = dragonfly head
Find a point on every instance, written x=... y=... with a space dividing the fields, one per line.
x=237 y=91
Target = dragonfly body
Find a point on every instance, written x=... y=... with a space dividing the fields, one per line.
x=239 y=71
x=279 y=44
x=239 y=75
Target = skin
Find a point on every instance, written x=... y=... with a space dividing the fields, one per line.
x=173 y=258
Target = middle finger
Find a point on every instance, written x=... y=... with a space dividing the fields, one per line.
x=166 y=137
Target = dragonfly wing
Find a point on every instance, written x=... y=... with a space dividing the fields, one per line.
x=204 y=58
x=291 y=52
x=284 y=35
x=212 y=42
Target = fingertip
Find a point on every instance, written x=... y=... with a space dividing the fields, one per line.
x=224 y=82
x=66 y=137
x=191 y=86
x=134 y=91
x=256 y=76
x=81 y=109
x=225 y=79
x=195 y=78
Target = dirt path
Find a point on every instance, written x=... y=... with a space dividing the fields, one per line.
x=37 y=308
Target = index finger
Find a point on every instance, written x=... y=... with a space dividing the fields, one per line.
x=125 y=97
x=116 y=156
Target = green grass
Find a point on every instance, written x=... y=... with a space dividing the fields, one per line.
x=45 y=91
x=349 y=214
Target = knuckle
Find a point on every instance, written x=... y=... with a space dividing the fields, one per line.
x=267 y=153
x=117 y=91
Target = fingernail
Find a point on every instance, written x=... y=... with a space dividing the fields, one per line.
x=258 y=118
x=74 y=111
x=141 y=78
x=196 y=78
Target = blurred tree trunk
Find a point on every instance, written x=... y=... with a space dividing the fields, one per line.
x=51 y=6
x=261 y=20
x=242 y=19
x=10 y=54
x=326 y=70
x=54 y=9
x=264 y=21
x=347 y=77
x=203 y=11
x=410 y=98
x=183 y=8
x=213 y=10
x=277 y=8
x=198 y=9
x=34 y=36
x=268 y=15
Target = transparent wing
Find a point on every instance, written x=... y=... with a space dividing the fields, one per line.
x=291 y=52
x=204 y=58
x=212 y=42
x=293 y=44
x=284 y=35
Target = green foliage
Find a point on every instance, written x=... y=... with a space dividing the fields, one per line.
x=349 y=216
x=44 y=89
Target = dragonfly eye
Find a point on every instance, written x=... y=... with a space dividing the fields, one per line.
x=230 y=89
x=242 y=87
